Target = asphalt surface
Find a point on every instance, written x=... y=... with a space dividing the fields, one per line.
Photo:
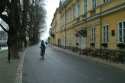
x=62 y=67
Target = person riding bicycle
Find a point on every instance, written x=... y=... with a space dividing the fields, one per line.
x=43 y=48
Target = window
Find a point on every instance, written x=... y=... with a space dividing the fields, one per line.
x=78 y=5
x=74 y=12
x=93 y=35
x=106 y=1
x=77 y=9
x=94 y=8
x=105 y=34
x=70 y=15
x=66 y=17
x=94 y=4
x=99 y=2
x=121 y=32
x=85 y=7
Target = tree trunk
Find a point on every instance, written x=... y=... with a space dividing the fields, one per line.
x=15 y=30
x=12 y=47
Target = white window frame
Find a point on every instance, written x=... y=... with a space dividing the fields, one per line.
x=85 y=7
x=123 y=33
x=105 y=33
x=94 y=4
x=107 y=1
x=78 y=5
x=77 y=9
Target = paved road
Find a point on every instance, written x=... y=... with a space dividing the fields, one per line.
x=62 y=67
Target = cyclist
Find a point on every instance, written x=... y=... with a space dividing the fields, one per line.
x=43 y=48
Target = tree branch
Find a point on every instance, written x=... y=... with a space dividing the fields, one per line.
x=3 y=28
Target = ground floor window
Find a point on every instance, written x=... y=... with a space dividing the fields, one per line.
x=105 y=34
x=93 y=36
x=106 y=1
x=121 y=32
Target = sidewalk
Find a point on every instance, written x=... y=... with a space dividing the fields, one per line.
x=8 y=72
x=98 y=60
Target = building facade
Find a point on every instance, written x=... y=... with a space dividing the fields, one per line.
x=90 y=24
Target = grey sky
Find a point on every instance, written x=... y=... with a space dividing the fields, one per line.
x=51 y=6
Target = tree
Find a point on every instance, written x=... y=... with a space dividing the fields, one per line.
x=37 y=15
x=15 y=37
x=13 y=8
x=23 y=20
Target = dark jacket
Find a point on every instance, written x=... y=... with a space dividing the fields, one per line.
x=43 y=46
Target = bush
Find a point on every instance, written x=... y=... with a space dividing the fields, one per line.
x=107 y=54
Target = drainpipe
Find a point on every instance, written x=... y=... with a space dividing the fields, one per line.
x=65 y=27
x=86 y=28
x=100 y=29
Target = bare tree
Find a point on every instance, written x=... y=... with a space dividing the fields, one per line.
x=38 y=15
x=13 y=9
x=23 y=20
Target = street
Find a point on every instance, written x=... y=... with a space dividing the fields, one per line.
x=61 y=67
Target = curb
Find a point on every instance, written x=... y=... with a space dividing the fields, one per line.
x=20 y=68
x=113 y=64
x=116 y=65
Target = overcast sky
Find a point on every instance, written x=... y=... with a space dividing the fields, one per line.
x=51 y=6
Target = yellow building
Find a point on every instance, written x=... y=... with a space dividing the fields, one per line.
x=56 y=30
x=90 y=24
